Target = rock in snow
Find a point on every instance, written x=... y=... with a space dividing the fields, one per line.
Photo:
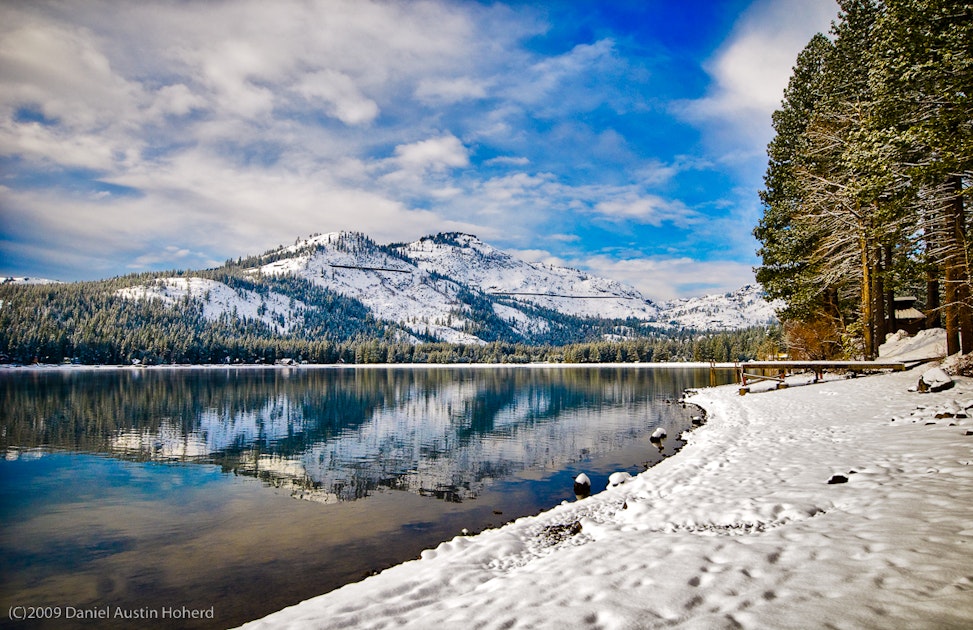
x=582 y=485
x=618 y=478
x=934 y=380
x=658 y=435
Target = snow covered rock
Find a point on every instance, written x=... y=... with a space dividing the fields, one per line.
x=582 y=486
x=934 y=380
x=618 y=478
x=959 y=364
x=658 y=435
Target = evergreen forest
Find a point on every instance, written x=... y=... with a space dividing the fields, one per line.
x=867 y=190
x=91 y=323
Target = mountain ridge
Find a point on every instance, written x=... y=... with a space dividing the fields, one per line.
x=448 y=287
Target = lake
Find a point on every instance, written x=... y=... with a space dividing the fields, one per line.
x=226 y=494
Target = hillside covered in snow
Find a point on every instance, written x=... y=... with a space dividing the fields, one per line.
x=742 y=308
x=342 y=297
x=454 y=288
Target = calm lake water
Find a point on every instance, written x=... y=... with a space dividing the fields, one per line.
x=237 y=492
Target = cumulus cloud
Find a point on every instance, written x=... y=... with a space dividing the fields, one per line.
x=752 y=68
x=45 y=144
x=175 y=100
x=541 y=256
x=61 y=70
x=341 y=97
x=435 y=154
x=507 y=160
x=450 y=90
x=172 y=256
x=216 y=116
x=182 y=133
x=662 y=279
x=646 y=208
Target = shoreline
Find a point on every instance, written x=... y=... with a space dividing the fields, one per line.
x=50 y=367
x=749 y=499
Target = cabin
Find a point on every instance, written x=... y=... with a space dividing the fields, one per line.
x=907 y=316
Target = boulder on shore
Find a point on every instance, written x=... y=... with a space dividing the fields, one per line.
x=934 y=380
x=582 y=486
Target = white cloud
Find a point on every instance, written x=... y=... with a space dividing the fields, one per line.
x=238 y=211
x=538 y=256
x=434 y=154
x=213 y=113
x=662 y=279
x=543 y=83
x=752 y=68
x=646 y=208
x=230 y=71
x=172 y=256
x=175 y=100
x=342 y=98
x=238 y=125
x=62 y=70
x=506 y=160
x=45 y=144
x=439 y=91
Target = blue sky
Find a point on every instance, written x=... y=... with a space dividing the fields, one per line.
x=625 y=138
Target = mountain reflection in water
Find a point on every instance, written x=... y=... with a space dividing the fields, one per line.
x=113 y=494
x=340 y=434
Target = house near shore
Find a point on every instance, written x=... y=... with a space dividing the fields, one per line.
x=907 y=316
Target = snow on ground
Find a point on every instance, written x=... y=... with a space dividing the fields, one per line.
x=741 y=528
x=926 y=344
x=13 y=280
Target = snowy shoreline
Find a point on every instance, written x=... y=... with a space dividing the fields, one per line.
x=741 y=527
x=40 y=367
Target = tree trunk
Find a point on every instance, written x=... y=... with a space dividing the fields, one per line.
x=933 y=316
x=878 y=298
x=959 y=321
x=893 y=325
x=866 y=297
x=951 y=310
x=961 y=264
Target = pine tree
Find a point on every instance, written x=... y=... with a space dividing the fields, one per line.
x=869 y=177
x=786 y=272
x=923 y=75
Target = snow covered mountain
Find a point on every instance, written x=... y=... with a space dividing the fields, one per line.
x=444 y=286
x=391 y=287
x=742 y=308
x=12 y=280
x=469 y=260
x=448 y=287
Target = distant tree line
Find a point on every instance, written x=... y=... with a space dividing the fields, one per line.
x=91 y=323
x=868 y=185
